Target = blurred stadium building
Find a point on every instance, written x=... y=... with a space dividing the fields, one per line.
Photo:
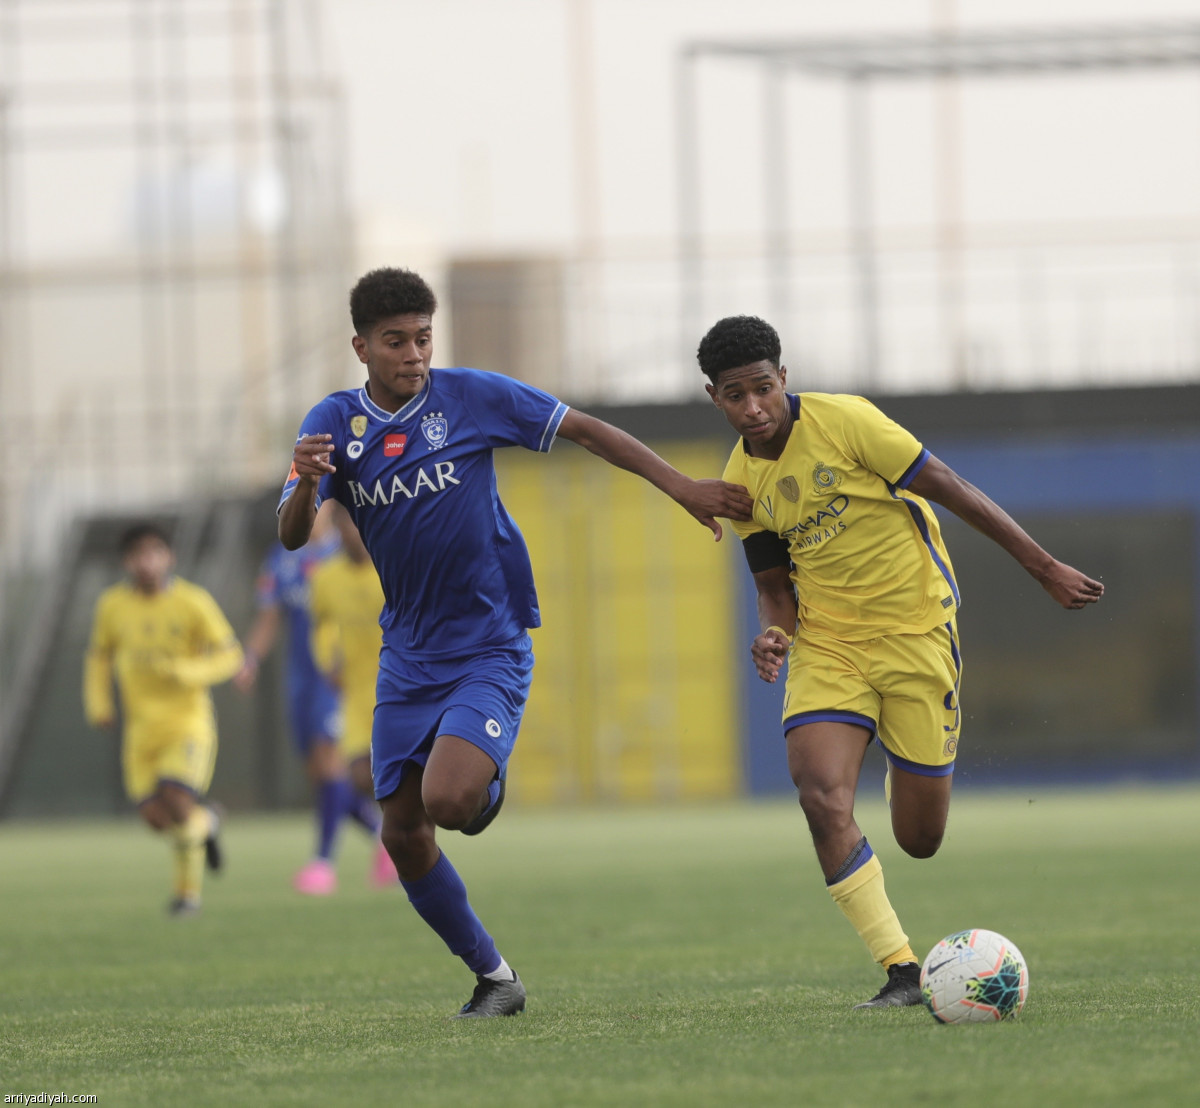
x=175 y=250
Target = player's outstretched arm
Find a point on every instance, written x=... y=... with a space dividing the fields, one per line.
x=258 y=643
x=704 y=499
x=99 y=707
x=777 y=617
x=938 y=482
x=210 y=667
x=310 y=461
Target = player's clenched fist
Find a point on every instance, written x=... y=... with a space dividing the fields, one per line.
x=769 y=650
x=311 y=456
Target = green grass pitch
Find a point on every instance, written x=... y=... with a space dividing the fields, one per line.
x=684 y=956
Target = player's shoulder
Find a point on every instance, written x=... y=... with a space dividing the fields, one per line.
x=188 y=594
x=465 y=383
x=336 y=404
x=183 y=589
x=840 y=417
x=818 y=404
x=475 y=387
x=113 y=598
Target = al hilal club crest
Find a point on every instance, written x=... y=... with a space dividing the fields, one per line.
x=358 y=425
x=435 y=429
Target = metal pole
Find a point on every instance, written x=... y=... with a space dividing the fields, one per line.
x=290 y=321
x=687 y=168
x=248 y=142
x=181 y=291
x=151 y=183
x=8 y=85
x=8 y=351
x=587 y=191
x=775 y=193
x=947 y=133
x=862 y=228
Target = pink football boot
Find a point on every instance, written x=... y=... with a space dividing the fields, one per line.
x=318 y=878
x=383 y=871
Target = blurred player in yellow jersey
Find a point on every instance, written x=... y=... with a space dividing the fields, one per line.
x=857 y=593
x=165 y=641
x=345 y=599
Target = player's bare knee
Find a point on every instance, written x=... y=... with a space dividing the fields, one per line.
x=452 y=810
x=920 y=844
x=176 y=803
x=154 y=815
x=407 y=843
x=826 y=808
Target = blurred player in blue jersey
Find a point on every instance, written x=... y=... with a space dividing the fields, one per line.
x=313 y=702
x=856 y=592
x=410 y=457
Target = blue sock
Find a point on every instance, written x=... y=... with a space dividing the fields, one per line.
x=362 y=809
x=853 y=862
x=440 y=898
x=330 y=806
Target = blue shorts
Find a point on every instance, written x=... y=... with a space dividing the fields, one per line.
x=314 y=711
x=480 y=698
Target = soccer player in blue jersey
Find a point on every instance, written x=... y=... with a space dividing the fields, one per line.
x=856 y=592
x=313 y=703
x=410 y=457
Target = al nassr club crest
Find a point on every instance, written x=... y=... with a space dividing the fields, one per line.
x=825 y=479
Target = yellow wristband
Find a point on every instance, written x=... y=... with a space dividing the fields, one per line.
x=776 y=627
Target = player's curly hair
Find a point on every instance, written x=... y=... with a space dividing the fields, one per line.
x=737 y=340
x=137 y=532
x=383 y=293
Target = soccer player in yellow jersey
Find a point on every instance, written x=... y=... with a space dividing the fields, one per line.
x=345 y=599
x=165 y=642
x=857 y=593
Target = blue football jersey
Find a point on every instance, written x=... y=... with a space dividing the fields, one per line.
x=420 y=485
x=283 y=582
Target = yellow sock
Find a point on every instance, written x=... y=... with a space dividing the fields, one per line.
x=864 y=902
x=189 y=852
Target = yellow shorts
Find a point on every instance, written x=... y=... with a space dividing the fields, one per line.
x=355 y=740
x=187 y=760
x=902 y=688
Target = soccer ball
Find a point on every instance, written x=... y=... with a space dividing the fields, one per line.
x=974 y=977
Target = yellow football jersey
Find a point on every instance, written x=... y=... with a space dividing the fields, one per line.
x=867 y=556
x=345 y=600
x=165 y=651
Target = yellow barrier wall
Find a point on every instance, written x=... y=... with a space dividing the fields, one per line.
x=634 y=697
